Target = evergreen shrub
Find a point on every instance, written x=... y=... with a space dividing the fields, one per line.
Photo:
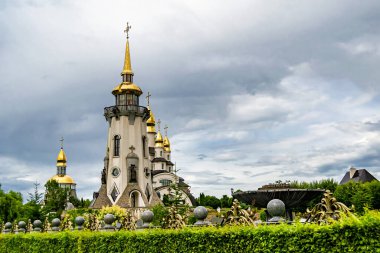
x=349 y=235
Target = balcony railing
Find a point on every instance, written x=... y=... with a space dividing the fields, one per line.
x=119 y=110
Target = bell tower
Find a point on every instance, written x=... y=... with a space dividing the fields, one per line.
x=126 y=178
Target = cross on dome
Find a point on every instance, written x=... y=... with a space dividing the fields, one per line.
x=166 y=130
x=148 y=97
x=61 y=140
x=127 y=29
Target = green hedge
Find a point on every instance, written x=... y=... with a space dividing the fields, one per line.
x=351 y=235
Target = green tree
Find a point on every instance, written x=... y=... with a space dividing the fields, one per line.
x=211 y=201
x=175 y=196
x=55 y=197
x=10 y=205
x=225 y=201
x=327 y=184
x=359 y=194
x=32 y=209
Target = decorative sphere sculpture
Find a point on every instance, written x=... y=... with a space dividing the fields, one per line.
x=7 y=228
x=56 y=222
x=200 y=212
x=21 y=227
x=22 y=224
x=8 y=225
x=79 y=221
x=109 y=218
x=147 y=216
x=37 y=224
x=276 y=207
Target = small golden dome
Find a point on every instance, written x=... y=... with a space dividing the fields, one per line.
x=159 y=137
x=151 y=120
x=159 y=141
x=66 y=179
x=61 y=159
x=166 y=142
x=127 y=87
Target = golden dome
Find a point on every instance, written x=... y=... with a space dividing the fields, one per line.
x=61 y=159
x=166 y=142
x=159 y=141
x=151 y=122
x=151 y=119
x=66 y=179
x=127 y=87
x=159 y=137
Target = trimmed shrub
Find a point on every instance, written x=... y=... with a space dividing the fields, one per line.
x=349 y=235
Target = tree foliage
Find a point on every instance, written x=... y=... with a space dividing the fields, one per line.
x=327 y=184
x=11 y=206
x=55 y=197
x=360 y=195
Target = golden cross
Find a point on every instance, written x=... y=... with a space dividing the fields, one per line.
x=166 y=130
x=148 y=97
x=158 y=124
x=61 y=140
x=127 y=30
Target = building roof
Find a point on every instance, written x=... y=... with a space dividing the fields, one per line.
x=356 y=175
x=155 y=172
x=159 y=159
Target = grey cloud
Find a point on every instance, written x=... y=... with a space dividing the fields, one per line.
x=57 y=77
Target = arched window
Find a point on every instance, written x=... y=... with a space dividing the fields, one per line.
x=116 y=145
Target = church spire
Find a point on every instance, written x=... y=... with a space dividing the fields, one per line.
x=127 y=85
x=127 y=69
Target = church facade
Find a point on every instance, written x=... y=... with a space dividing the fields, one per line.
x=135 y=152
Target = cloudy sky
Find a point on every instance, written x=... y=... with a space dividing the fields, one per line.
x=252 y=91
